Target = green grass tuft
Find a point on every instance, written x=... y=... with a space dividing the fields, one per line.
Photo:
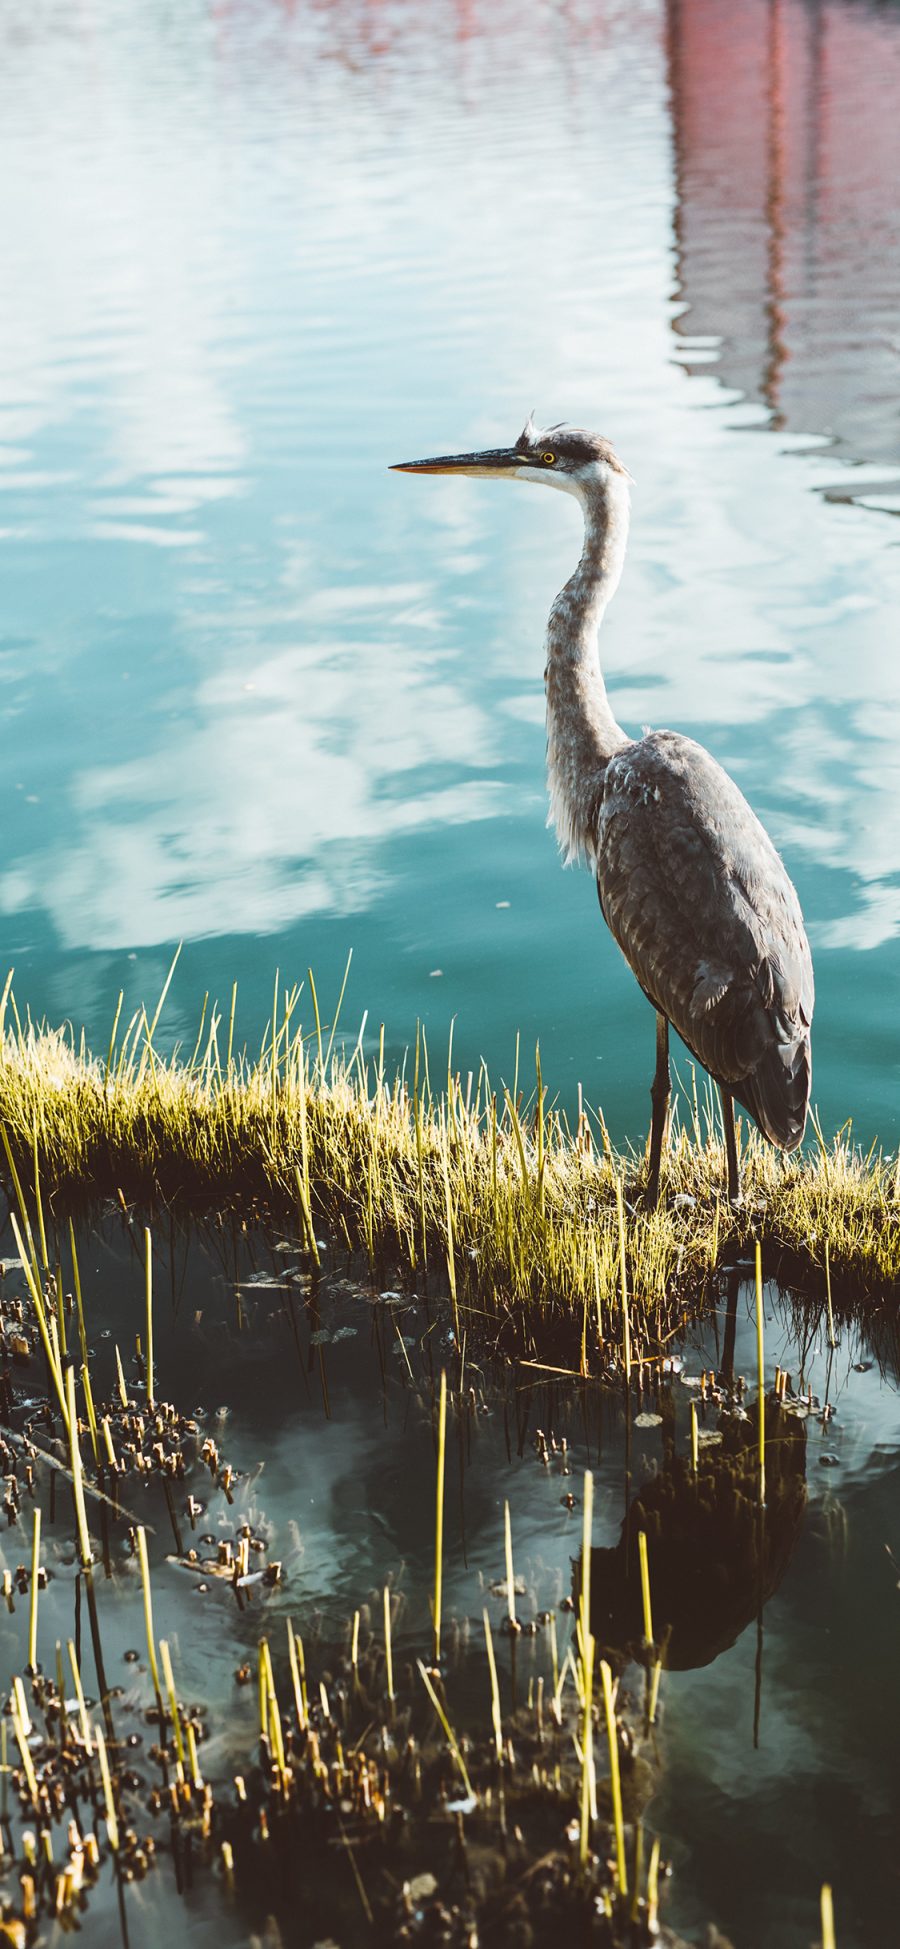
x=499 y=1201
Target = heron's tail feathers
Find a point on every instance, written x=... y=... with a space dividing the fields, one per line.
x=777 y=1091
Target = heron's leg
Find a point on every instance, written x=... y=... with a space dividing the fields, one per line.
x=734 y=1173
x=660 y=1091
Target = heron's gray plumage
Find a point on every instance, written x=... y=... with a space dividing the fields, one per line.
x=698 y=900
x=690 y=884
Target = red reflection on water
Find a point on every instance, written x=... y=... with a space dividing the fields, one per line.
x=787 y=145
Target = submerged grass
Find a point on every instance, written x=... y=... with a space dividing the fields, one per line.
x=496 y=1198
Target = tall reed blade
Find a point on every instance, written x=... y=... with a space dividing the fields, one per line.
x=148 y=1611
x=35 y=1586
x=450 y=1735
x=623 y=1280
x=388 y=1649
x=645 y=1590
x=761 y=1370
x=439 y=1518
x=615 y=1782
x=510 y=1573
x=496 y=1719
x=84 y=1542
x=829 y=1940
x=148 y=1301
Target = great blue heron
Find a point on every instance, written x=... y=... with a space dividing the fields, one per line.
x=690 y=884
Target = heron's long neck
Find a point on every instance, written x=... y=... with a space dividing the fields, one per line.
x=582 y=733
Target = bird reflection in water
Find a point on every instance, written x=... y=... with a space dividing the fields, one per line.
x=715 y=1555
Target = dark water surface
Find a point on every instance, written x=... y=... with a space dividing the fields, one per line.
x=782 y=1750
x=264 y=697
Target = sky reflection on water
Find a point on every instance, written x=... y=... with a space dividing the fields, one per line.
x=262 y=696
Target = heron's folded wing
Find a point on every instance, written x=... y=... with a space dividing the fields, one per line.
x=703 y=910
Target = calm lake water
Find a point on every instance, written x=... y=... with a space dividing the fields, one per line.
x=261 y=696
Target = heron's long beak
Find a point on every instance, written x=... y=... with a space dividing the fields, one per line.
x=499 y=460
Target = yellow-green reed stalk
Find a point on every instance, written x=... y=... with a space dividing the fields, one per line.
x=230 y=1050
x=587 y=1747
x=34 y=1288
x=123 y=1391
x=654 y=1692
x=623 y=1278
x=61 y=1309
x=336 y=1016
x=21 y=1704
x=638 y=1869
x=584 y=1609
x=274 y=1073
x=20 y=1200
x=439 y=1517
x=645 y=1588
x=112 y=1040
x=829 y=1939
x=653 y=1888
x=615 y=1783
x=269 y=1710
x=112 y=1824
x=832 y=1342
x=108 y=1441
x=196 y=1775
x=388 y=1654
x=298 y=1672
x=174 y=1713
x=33 y=1604
x=262 y=1695
x=21 y=1732
x=760 y=1362
x=587 y=1668
x=495 y=1688
x=38 y=1202
x=449 y=1734
x=302 y=1169
x=510 y=1573
x=695 y=1437
x=315 y=1002
x=79 y=1694
x=148 y=1611
x=84 y=1541
x=595 y=1268
x=148 y=1297
x=91 y=1412
x=448 y=1203
x=354 y=1643
x=539 y=1124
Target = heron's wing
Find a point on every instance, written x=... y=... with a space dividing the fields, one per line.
x=703 y=910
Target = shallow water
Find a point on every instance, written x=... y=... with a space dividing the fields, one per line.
x=324 y=1406
x=261 y=695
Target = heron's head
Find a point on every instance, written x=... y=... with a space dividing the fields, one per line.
x=583 y=464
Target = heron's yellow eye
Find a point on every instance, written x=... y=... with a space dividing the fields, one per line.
x=548 y=459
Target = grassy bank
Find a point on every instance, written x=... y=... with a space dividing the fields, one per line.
x=489 y=1192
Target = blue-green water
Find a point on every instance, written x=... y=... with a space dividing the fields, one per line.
x=263 y=697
